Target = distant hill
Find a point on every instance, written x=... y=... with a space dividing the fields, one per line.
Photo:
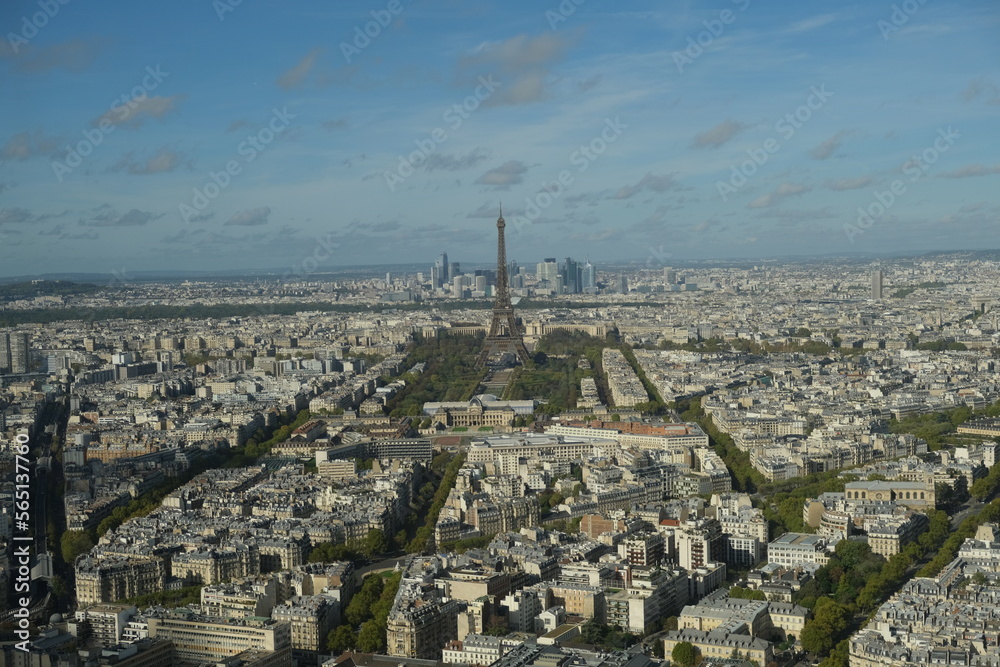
x=981 y=255
x=22 y=290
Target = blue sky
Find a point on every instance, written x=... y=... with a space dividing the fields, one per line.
x=734 y=128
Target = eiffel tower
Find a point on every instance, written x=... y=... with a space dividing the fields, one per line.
x=503 y=336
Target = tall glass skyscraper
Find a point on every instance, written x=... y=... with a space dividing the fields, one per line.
x=589 y=276
x=571 y=276
x=548 y=270
x=442 y=264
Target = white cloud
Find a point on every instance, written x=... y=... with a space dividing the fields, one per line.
x=719 y=134
x=507 y=174
x=522 y=66
x=296 y=76
x=780 y=193
x=250 y=217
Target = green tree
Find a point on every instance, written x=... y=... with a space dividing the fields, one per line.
x=59 y=589
x=360 y=608
x=173 y=598
x=593 y=632
x=945 y=494
x=328 y=552
x=400 y=539
x=851 y=553
x=51 y=534
x=984 y=487
x=380 y=610
x=498 y=627
x=341 y=639
x=73 y=543
x=425 y=533
x=685 y=654
x=374 y=543
x=747 y=593
x=823 y=632
x=960 y=415
x=371 y=639
x=839 y=656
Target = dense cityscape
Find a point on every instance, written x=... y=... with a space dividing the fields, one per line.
x=491 y=333
x=773 y=462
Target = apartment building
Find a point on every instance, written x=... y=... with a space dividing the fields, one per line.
x=643 y=548
x=795 y=549
x=721 y=644
x=699 y=542
x=478 y=650
x=418 y=628
x=240 y=599
x=199 y=639
x=105 y=623
x=649 y=596
x=118 y=578
x=539 y=447
x=578 y=599
x=215 y=565
x=311 y=618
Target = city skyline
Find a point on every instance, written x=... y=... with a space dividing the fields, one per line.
x=500 y=334
x=233 y=450
x=731 y=131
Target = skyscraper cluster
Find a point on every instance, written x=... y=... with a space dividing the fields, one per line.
x=569 y=277
x=439 y=272
x=547 y=270
x=444 y=272
x=448 y=276
x=566 y=277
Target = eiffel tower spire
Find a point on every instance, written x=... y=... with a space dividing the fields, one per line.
x=504 y=334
